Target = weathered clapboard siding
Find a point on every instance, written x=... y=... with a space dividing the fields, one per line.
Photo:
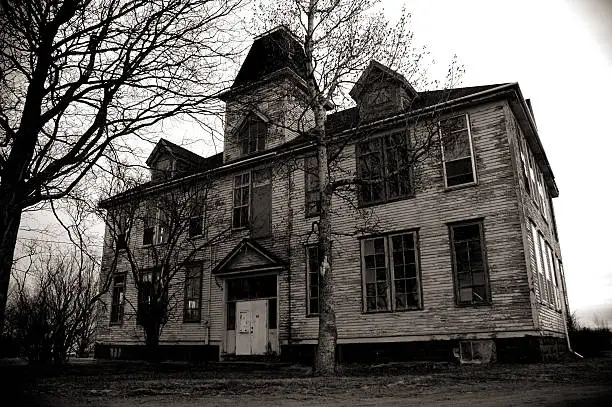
x=548 y=317
x=494 y=199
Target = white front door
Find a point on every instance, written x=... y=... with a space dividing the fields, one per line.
x=252 y=327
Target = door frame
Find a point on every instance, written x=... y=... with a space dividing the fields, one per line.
x=224 y=332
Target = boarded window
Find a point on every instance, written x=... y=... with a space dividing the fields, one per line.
x=457 y=156
x=193 y=294
x=312 y=280
x=384 y=168
x=311 y=179
x=391 y=270
x=240 y=215
x=469 y=263
x=253 y=135
x=261 y=204
x=117 y=300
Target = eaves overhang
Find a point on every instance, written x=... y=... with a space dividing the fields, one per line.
x=510 y=91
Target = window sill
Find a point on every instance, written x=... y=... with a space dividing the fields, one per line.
x=397 y=311
x=401 y=198
x=312 y=315
x=474 y=304
x=312 y=215
x=119 y=323
x=192 y=321
x=461 y=186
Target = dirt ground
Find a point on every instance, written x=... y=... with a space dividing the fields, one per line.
x=90 y=383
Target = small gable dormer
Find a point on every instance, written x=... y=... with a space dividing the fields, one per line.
x=381 y=91
x=168 y=160
x=269 y=92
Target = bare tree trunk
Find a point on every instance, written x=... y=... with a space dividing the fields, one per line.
x=9 y=227
x=325 y=362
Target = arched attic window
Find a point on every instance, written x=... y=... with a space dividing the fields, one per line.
x=252 y=135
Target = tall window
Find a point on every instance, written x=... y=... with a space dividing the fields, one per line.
x=539 y=260
x=163 y=226
x=312 y=280
x=391 y=271
x=253 y=202
x=196 y=219
x=457 y=154
x=253 y=135
x=242 y=185
x=261 y=203
x=193 y=293
x=148 y=234
x=383 y=166
x=117 y=300
x=524 y=166
x=149 y=284
x=122 y=241
x=469 y=263
x=313 y=195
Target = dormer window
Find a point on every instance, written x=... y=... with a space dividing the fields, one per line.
x=252 y=135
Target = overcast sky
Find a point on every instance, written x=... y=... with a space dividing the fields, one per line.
x=560 y=53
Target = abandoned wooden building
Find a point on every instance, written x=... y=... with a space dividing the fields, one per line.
x=455 y=252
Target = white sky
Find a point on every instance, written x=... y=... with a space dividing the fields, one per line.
x=560 y=53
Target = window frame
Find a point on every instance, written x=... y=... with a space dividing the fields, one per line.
x=122 y=243
x=196 y=211
x=468 y=124
x=524 y=165
x=384 y=178
x=248 y=186
x=314 y=176
x=390 y=290
x=483 y=248
x=309 y=272
x=149 y=271
x=186 y=299
x=245 y=136
x=120 y=307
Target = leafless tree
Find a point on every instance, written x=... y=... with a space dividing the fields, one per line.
x=80 y=76
x=175 y=225
x=52 y=310
x=340 y=38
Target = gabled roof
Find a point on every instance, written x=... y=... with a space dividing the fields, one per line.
x=364 y=79
x=248 y=256
x=166 y=147
x=272 y=51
